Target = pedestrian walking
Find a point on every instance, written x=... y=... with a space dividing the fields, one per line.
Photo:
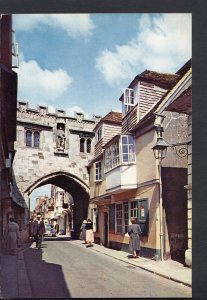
x=41 y=230
x=38 y=230
x=83 y=231
x=89 y=233
x=12 y=236
x=31 y=235
x=57 y=227
x=134 y=231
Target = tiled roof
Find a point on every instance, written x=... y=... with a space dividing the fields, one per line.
x=158 y=78
x=112 y=117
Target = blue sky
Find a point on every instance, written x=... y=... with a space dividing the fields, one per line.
x=83 y=62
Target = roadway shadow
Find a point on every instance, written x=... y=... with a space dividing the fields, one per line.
x=46 y=279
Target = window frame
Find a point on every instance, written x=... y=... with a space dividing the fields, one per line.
x=82 y=144
x=98 y=176
x=88 y=145
x=112 y=161
x=32 y=132
x=28 y=131
x=112 y=156
x=99 y=134
x=129 y=100
x=131 y=156
x=132 y=211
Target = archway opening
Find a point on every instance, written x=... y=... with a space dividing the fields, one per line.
x=73 y=209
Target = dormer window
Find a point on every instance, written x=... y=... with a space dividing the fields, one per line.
x=129 y=101
x=99 y=135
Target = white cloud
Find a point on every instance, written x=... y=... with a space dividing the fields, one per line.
x=163 y=43
x=38 y=86
x=72 y=110
x=74 y=24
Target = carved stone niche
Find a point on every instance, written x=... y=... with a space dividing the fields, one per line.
x=60 y=136
x=79 y=116
x=43 y=110
x=23 y=106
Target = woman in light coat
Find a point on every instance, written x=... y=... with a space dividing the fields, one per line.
x=89 y=233
x=134 y=231
x=83 y=231
x=11 y=235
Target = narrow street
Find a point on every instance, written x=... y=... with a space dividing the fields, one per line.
x=63 y=269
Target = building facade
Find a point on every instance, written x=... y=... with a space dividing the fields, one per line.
x=53 y=148
x=179 y=100
x=8 y=103
x=130 y=184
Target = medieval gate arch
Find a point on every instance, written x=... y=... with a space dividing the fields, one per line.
x=52 y=148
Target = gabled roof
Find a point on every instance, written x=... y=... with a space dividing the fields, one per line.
x=163 y=80
x=183 y=72
x=112 y=117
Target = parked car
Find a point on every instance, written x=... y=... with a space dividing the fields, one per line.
x=49 y=230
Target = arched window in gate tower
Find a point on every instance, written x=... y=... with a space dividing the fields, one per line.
x=82 y=144
x=36 y=139
x=28 y=138
x=88 y=145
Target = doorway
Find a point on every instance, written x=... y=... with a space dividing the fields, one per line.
x=175 y=205
x=106 y=230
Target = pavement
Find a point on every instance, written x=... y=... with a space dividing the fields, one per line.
x=14 y=282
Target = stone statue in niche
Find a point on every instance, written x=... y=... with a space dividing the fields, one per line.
x=60 y=138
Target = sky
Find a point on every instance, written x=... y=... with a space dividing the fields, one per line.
x=83 y=62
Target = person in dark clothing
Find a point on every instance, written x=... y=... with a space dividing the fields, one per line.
x=89 y=233
x=134 y=231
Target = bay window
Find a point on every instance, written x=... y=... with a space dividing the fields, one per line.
x=122 y=151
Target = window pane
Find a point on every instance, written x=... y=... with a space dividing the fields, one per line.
x=119 y=213
x=28 y=138
x=131 y=139
x=125 y=149
x=36 y=139
x=124 y=140
x=88 y=146
x=125 y=158
x=82 y=141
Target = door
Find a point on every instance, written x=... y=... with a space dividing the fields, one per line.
x=106 y=230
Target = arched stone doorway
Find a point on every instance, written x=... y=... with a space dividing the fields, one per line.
x=74 y=186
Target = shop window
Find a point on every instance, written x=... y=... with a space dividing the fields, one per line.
x=134 y=209
x=124 y=211
x=88 y=145
x=98 y=170
x=119 y=214
x=126 y=216
x=82 y=144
